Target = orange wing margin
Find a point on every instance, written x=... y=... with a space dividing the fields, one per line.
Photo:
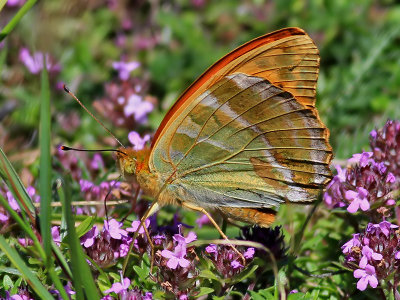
x=205 y=80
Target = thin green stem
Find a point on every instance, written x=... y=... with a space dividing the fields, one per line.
x=15 y=20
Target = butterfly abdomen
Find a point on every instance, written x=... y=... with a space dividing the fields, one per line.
x=263 y=217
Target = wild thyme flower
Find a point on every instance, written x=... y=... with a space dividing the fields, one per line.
x=227 y=261
x=126 y=103
x=137 y=141
x=55 y=233
x=175 y=264
x=93 y=192
x=360 y=186
x=112 y=243
x=385 y=145
x=88 y=239
x=178 y=256
x=34 y=63
x=202 y=221
x=373 y=255
x=141 y=243
x=125 y=68
x=118 y=287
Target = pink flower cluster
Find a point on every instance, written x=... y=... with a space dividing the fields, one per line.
x=374 y=254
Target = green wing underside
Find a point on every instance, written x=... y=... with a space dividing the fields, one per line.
x=245 y=143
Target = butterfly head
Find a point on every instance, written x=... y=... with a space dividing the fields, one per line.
x=130 y=161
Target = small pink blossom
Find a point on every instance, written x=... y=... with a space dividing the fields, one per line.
x=367 y=276
x=138 y=108
x=135 y=225
x=358 y=200
x=87 y=240
x=113 y=227
x=137 y=141
x=35 y=63
x=125 y=68
x=119 y=287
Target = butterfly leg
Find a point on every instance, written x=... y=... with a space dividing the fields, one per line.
x=202 y=210
x=151 y=210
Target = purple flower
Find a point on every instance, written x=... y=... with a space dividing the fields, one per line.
x=341 y=173
x=119 y=287
x=236 y=265
x=373 y=134
x=368 y=255
x=97 y=162
x=390 y=177
x=138 y=142
x=124 y=248
x=4 y=218
x=55 y=233
x=113 y=227
x=135 y=225
x=383 y=227
x=358 y=200
x=183 y=297
x=373 y=254
x=35 y=63
x=32 y=193
x=158 y=239
x=212 y=248
x=12 y=3
x=361 y=158
x=367 y=276
x=87 y=240
x=13 y=203
x=178 y=256
x=249 y=254
x=354 y=242
x=124 y=68
x=202 y=221
x=138 y=107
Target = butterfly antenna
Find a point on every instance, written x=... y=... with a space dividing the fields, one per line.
x=84 y=107
x=66 y=148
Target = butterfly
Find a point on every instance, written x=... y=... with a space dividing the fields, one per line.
x=244 y=138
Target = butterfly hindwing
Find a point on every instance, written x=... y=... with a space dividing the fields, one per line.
x=245 y=142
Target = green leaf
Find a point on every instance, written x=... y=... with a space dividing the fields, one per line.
x=262 y=295
x=246 y=273
x=204 y=291
x=85 y=226
x=209 y=275
x=7 y=282
x=143 y=272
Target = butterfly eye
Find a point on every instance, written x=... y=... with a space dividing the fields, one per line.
x=126 y=162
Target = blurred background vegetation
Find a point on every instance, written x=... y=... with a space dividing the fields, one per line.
x=175 y=41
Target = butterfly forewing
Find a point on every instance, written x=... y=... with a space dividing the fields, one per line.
x=245 y=143
x=287 y=58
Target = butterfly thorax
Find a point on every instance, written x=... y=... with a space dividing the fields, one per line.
x=134 y=166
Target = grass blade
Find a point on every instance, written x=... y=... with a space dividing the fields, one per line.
x=30 y=277
x=82 y=276
x=16 y=187
x=18 y=16
x=45 y=165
